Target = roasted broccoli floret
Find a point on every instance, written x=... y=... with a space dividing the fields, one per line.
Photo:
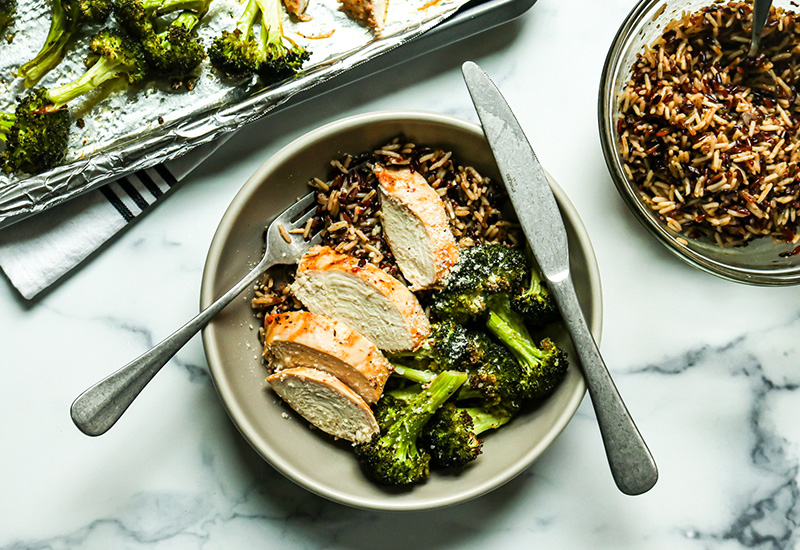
x=390 y=407
x=36 y=134
x=393 y=456
x=451 y=435
x=496 y=379
x=443 y=349
x=114 y=55
x=534 y=301
x=283 y=57
x=94 y=11
x=272 y=56
x=137 y=17
x=7 y=10
x=67 y=18
x=238 y=53
x=481 y=287
x=480 y=272
x=544 y=364
x=177 y=51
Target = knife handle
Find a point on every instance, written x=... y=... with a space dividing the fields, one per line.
x=631 y=463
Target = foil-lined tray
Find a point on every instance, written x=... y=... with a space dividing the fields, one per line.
x=126 y=130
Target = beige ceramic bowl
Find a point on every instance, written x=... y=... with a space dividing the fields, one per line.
x=309 y=457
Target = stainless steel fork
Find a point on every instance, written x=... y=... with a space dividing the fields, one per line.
x=99 y=407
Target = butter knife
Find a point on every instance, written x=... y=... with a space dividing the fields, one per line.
x=632 y=465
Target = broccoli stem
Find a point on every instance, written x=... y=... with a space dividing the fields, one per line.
x=188 y=20
x=508 y=327
x=271 y=25
x=168 y=6
x=248 y=18
x=103 y=70
x=62 y=27
x=406 y=394
x=415 y=375
x=429 y=400
x=6 y=122
x=535 y=284
x=483 y=420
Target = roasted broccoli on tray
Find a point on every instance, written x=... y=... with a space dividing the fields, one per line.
x=114 y=55
x=176 y=51
x=272 y=55
x=138 y=17
x=68 y=16
x=35 y=134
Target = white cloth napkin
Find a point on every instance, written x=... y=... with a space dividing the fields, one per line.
x=38 y=251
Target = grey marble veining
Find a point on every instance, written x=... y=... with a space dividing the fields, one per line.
x=709 y=369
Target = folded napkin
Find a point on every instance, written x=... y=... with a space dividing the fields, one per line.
x=38 y=251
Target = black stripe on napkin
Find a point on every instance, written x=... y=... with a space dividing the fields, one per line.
x=166 y=174
x=137 y=198
x=148 y=182
x=115 y=201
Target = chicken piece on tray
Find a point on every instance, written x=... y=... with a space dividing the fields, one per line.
x=301 y=338
x=326 y=402
x=416 y=227
x=362 y=296
x=370 y=12
x=297 y=8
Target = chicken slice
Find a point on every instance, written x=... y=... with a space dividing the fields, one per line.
x=370 y=12
x=304 y=339
x=362 y=296
x=326 y=402
x=416 y=227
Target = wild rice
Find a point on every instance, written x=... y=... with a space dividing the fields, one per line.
x=709 y=137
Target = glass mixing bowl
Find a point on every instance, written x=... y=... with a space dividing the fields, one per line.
x=758 y=263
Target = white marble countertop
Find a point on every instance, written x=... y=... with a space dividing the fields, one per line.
x=709 y=369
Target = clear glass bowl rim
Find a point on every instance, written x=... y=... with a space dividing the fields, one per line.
x=766 y=276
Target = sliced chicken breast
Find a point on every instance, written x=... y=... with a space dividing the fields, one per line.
x=416 y=227
x=326 y=402
x=370 y=12
x=305 y=339
x=362 y=296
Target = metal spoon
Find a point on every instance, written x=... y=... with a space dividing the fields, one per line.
x=760 y=16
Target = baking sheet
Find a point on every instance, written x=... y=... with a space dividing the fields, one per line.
x=126 y=130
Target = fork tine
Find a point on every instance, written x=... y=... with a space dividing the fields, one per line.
x=301 y=221
x=297 y=209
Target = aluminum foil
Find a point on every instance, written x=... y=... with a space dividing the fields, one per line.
x=130 y=129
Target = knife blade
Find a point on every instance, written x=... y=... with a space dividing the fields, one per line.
x=631 y=462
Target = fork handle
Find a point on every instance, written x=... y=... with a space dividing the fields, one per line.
x=99 y=407
x=631 y=463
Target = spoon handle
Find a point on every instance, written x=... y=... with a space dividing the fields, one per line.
x=631 y=463
x=760 y=16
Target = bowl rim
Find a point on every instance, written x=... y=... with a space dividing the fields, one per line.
x=606 y=99
x=234 y=410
